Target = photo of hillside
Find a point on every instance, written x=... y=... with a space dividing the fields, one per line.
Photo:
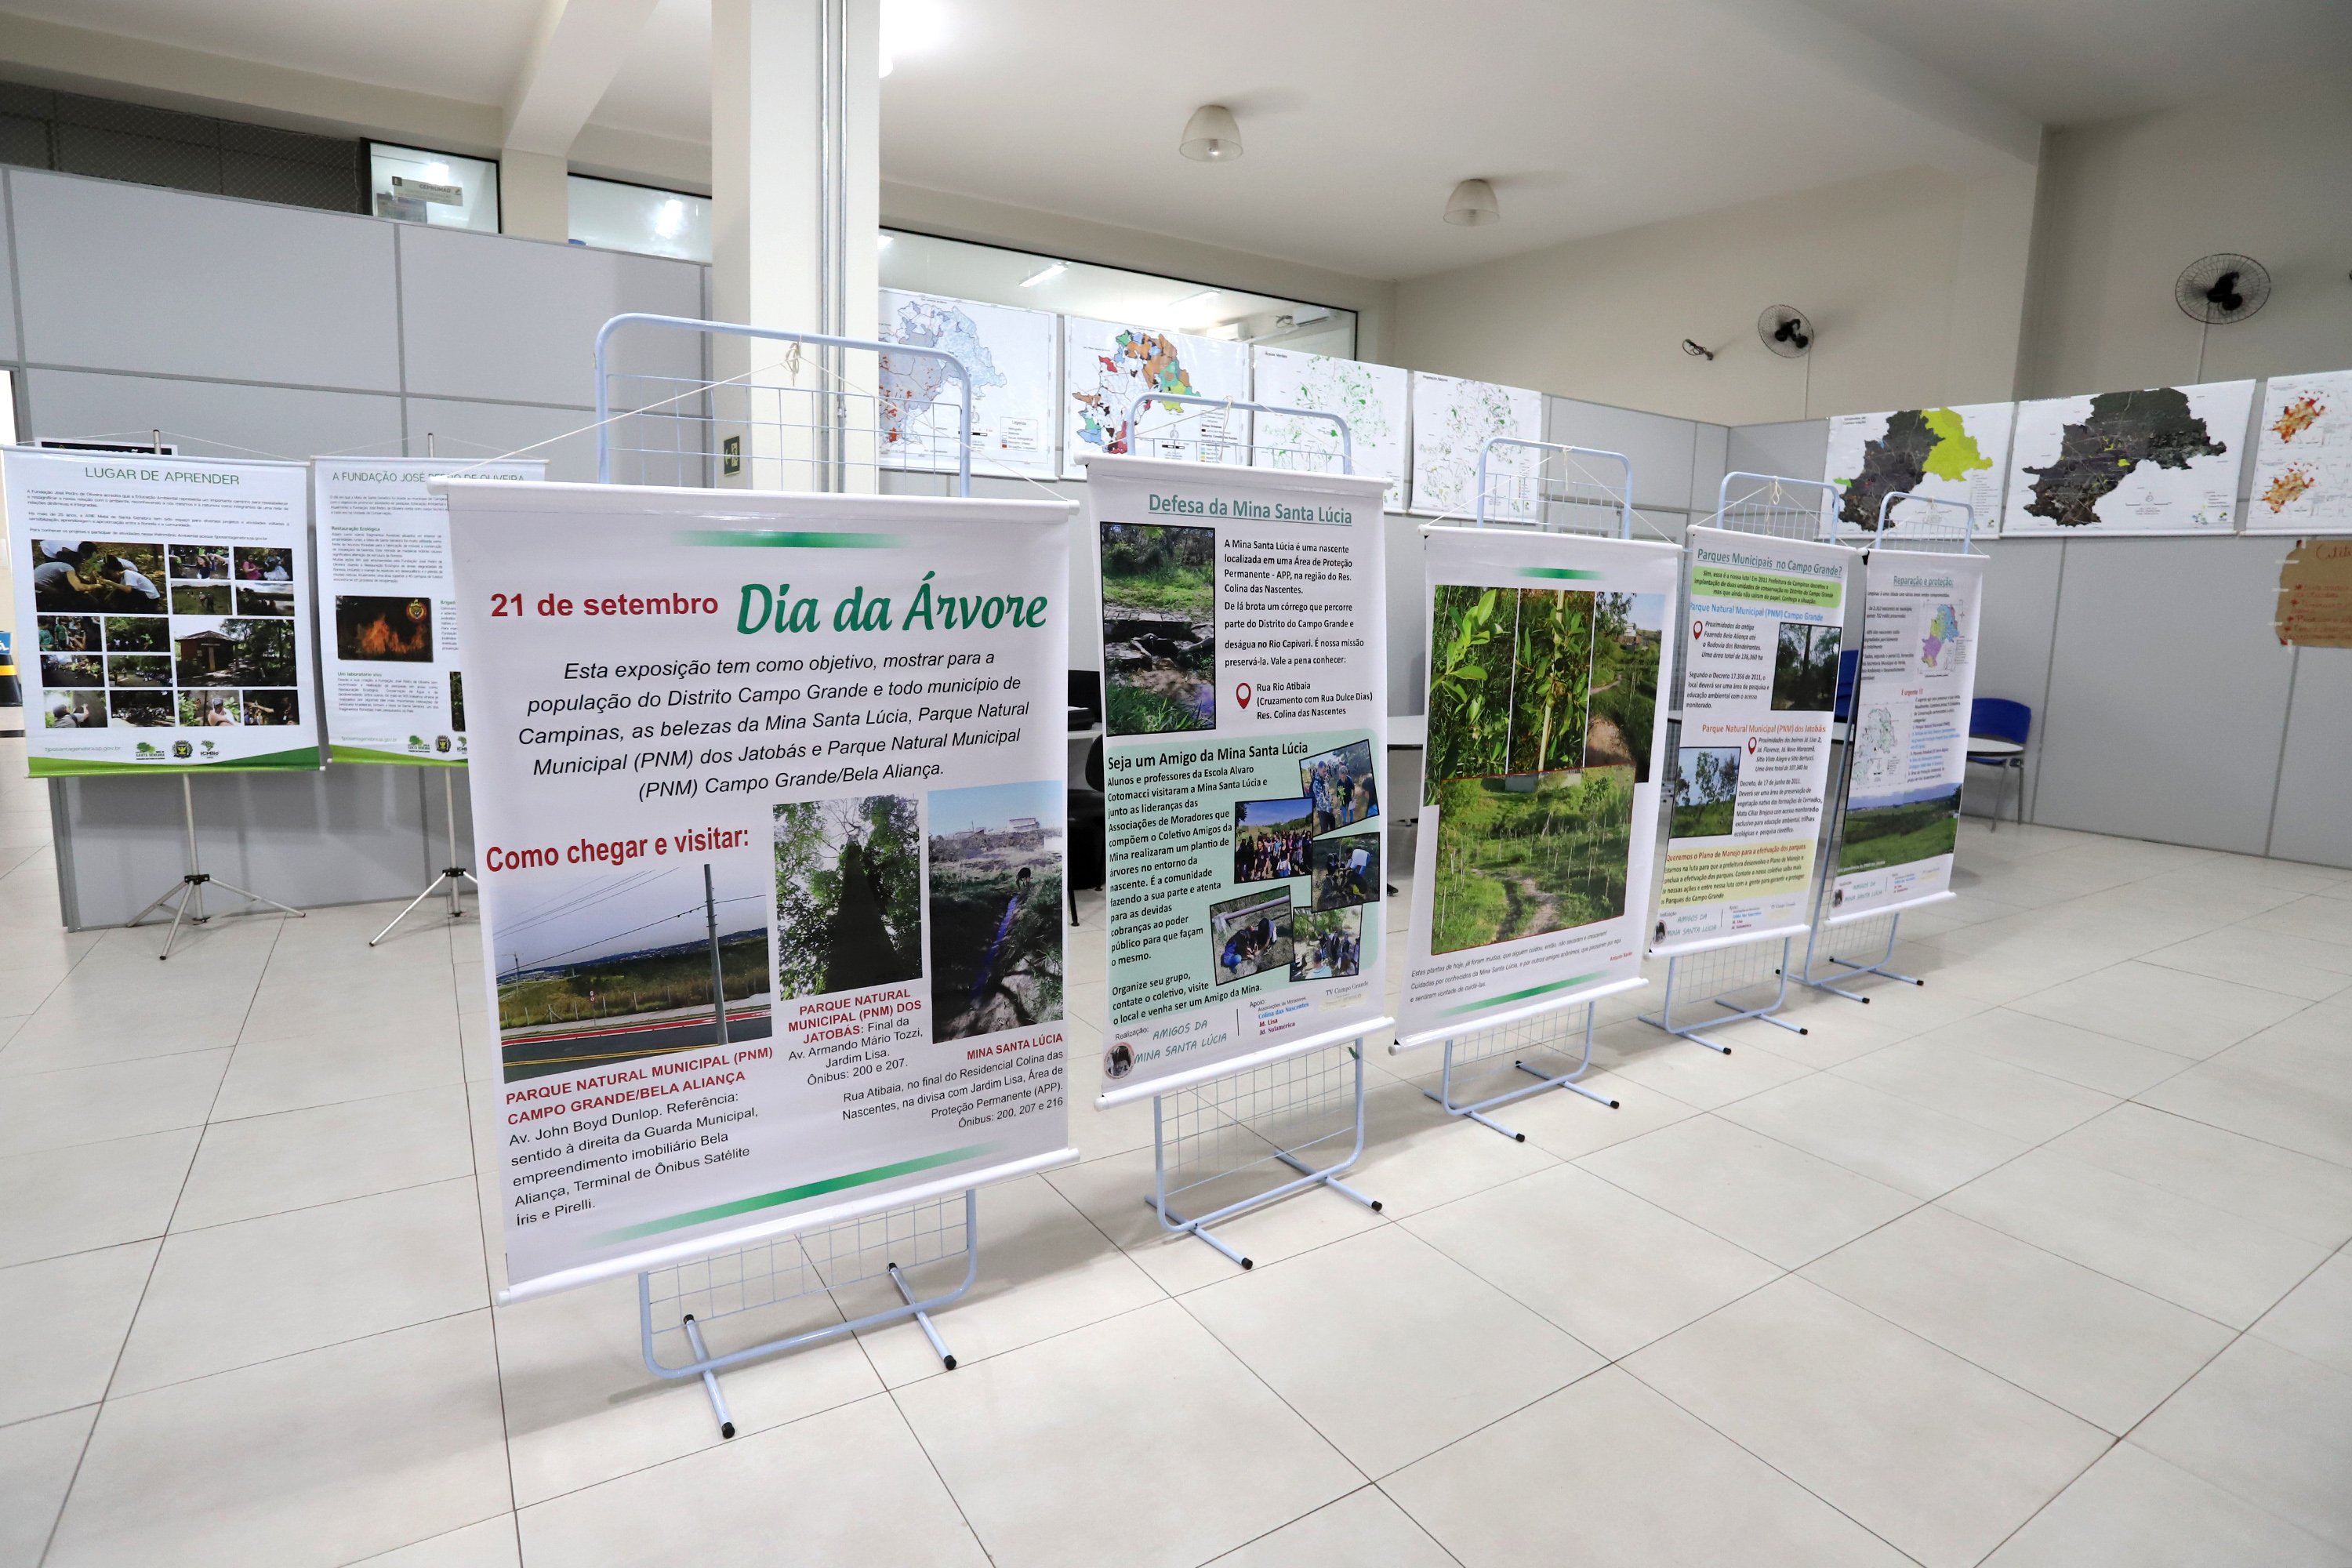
x=1896 y=834
x=995 y=907
x=1524 y=853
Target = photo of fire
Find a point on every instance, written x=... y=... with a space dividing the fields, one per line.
x=384 y=630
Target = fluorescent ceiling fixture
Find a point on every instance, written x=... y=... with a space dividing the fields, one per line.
x=909 y=26
x=1211 y=136
x=1046 y=274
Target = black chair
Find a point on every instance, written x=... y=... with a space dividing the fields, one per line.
x=1090 y=853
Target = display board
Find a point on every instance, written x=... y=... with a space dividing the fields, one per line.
x=1245 y=765
x=1749 y=781
x=1958 y=453
x=2164 y=459
x=1910 y=745
x=1452 y=420
x=388 y=611
x=1539 y=801
x=1370 y=397
x=1106 y=366
x=788 y=759
x=2303 y=455
x=1008 y=354
x=168 y=603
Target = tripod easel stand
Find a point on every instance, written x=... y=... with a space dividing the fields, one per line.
x=190 y=892
x=450 y=873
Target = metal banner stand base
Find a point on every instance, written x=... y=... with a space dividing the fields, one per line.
x=1308 y=1175
x=1857 y=970
x=707 y=1367
x=1443 y=1093
x=189 y=893
x=450 y=874
x=1664 y=1018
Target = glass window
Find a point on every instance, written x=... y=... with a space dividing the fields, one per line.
x=611 y=215
x=415 y=185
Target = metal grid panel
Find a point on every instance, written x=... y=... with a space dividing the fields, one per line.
x=1558 y=1032
x=1557 y=487
x=1184 y=427
x=1925 y=523
x=1234 y=1125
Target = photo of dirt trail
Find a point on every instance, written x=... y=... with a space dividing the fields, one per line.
x=616 y=965
x=1524 y=853
x=995 y=907
x=1160 y=628
x=849 y=892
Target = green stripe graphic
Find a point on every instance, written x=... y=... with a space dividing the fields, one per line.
x=781 y=539
x=1555 y=572
x=301 y=759
x=338 y=753
x=790 y=1195
x=1523 y=995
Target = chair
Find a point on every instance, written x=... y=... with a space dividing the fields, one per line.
x=1090 y=853
x=1996 y=732
x=1849 y=666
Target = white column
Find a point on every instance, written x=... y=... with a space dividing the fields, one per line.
x=534 y=200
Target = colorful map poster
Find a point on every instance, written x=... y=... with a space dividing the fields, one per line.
x=1007 y=351
x=1958 y=453
x=1106 y=366
x=2303 y=457
x=1370 y=397
x=2164 y=459
x=1452 y=420
x=1909 y=751
x=162 y=612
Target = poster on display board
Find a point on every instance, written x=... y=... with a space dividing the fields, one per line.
x=1750 y=778
x=1369 y=397
x=395 y=678
x=2162 y=459
x=1908 y=757
x=165 y=603
x=1452 y=421
x=2303 y=455
x=1244 y=766
x=1958 y=453
x=1539 y=805
x=1106 y=366
x=768 y=796
x=1007 y=351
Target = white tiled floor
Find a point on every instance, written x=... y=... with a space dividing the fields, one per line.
x=2042 y=1264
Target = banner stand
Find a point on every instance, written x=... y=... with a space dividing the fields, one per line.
x=190 y=891
x=1924 y=535
x=450 y=874
x=1772 y=511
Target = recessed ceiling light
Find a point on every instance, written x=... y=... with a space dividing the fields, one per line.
x=1211 y=136
x=1472 y=204
x=1046 y=274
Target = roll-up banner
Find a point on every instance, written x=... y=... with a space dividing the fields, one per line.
x=165 y=604
x=1245 y=765
x=1917 y=682
x=388 y=612
x=1750 y=777
x=769 y=795
x=1539 y=808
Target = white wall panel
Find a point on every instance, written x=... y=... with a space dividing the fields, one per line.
x=2020 y=608
x=1799 y=449
x=121 y=277
x=2314 y=821
x=2167 y=692
x=491 y=317
x=1710 y=448
x=210 y=419
x=1660 y=447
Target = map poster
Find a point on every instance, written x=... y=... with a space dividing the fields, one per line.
x=1245 y=766
x=388 y=612
x=769 y=801
x=1951 y=453
x=163 y=608
x=1539 y=808
x=1909 y=753
x=1747 y=785
x=1007 y=351
x=1106 y=366
x=2164 y=459
x=2303 y=455
x=1369 y=397
x=1452 y=420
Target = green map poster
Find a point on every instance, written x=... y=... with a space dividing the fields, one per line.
x=1958 y=453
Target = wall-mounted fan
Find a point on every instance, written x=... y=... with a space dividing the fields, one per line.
x=2219 y=290
x=1786 y=331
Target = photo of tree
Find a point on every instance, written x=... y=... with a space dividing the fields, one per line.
x=1805 y=668
x=138 y=634
x=457 y=700
x=1523 y=853
x=1551 y=681
x=138 y=670
x=1704 y=792
x=995 y=907
x=1160 y=628
x=1897 y=834
x=849 y=892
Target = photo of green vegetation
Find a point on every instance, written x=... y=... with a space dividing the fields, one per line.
x=675 y=979
x=996 y=908
x=1551 y=681
x=1530 y=853
x=1705 y=791
x=1160 y=628
x=1896 y=834
x=849 y=894
x=1805 y=668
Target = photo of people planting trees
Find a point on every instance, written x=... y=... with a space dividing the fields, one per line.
x=1540 y=707
x=1160 y=628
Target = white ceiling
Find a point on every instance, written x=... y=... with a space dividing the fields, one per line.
x=1589 y=116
